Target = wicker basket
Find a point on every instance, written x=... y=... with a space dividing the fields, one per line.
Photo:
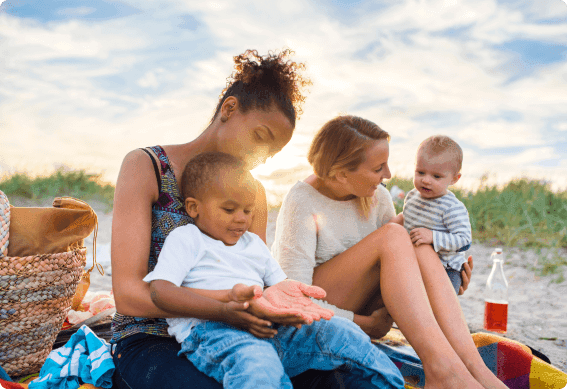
x=35 y=296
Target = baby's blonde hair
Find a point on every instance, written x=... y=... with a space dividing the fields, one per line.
x=341 y=144
x=441 y=144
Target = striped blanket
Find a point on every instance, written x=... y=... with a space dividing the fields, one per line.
x=512 y=362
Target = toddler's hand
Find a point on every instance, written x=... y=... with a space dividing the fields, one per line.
x=241 y=292
x=420 y=236
x=235 y=314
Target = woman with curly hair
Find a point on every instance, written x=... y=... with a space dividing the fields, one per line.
x=254 y=119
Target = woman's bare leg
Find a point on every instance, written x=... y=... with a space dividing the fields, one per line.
x=449 y=315
x=389 y=250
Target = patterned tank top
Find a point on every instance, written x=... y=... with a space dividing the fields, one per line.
x=168 y=212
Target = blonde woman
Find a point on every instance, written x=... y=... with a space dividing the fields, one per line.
x=332 y=231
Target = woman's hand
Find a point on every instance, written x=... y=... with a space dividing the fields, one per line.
x=466 y=274
x=377 y=324
x=398 y=219
x=262 y=308
x=291 y=294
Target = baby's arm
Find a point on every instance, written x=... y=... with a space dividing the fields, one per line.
x=459 y=236
x=239 y=292
x=184 y=302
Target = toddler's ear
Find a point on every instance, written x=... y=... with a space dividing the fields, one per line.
x=456 y=178
x=192 y=207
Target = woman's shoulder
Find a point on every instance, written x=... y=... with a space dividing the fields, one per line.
x=300 y=193
x=300 y=200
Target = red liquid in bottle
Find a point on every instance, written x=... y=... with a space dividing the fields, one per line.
x=495 y=317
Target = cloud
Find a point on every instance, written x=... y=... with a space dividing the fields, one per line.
x=501 y=134
x=415 y=68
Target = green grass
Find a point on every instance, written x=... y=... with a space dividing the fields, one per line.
x=550 y=262
x=523 y=212
x=74 y=183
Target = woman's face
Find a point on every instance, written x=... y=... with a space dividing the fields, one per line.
x=364 y=181
x=255 y=135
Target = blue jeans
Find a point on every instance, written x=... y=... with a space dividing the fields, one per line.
x=149 y=361
x=455 y=277
x=239 y=360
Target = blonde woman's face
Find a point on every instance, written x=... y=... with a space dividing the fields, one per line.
x=364 y=181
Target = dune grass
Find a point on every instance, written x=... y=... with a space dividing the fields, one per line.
x=74 y=183
x=522 y=212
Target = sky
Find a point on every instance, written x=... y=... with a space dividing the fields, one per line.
x=83 y=82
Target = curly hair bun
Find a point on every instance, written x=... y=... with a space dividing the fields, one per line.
x=260 y=81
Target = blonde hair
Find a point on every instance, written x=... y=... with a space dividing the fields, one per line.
x=441 y=144
x=341 y=144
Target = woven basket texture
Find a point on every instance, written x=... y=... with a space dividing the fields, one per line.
x=35 y=297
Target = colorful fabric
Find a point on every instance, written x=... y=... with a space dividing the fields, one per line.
x=10 y=385
x=85 y=358
x=168 y=212
x=512 y=362
x=14 y=385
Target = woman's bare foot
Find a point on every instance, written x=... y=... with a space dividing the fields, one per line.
x=445 y=376
x=452 y=382
x=487 y=378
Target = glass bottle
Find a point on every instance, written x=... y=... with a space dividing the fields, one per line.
x=496 y=296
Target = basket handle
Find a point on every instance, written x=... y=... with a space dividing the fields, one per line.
x=4 y=224
x=95 y=263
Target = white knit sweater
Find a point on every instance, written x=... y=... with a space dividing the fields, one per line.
x=312 y=228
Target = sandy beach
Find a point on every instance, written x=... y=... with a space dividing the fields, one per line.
x=537 y=313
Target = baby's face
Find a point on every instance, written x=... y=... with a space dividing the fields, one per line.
x=434 y=174
x=226 y=212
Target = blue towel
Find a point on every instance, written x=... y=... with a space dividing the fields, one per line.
x=85 y=358
x=4 y=376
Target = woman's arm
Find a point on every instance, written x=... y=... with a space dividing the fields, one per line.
x=377 y=324
x=136 y=191
x=399 y=219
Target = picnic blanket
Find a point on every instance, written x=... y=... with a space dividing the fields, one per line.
x=512 y=362
x=15 y=385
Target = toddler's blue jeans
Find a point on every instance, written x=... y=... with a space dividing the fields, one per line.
x=239 y=360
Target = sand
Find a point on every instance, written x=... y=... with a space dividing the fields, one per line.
x=537 y=312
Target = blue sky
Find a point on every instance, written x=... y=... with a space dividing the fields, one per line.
x=84 y=82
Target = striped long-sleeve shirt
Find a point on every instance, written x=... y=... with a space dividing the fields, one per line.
x=447 y=218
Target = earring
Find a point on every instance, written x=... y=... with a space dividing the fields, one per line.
x=224 y=119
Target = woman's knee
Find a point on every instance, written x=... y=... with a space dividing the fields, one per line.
x=394 y=230
x=392 y=236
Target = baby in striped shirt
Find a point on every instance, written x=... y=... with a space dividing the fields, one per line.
x=432 y=214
